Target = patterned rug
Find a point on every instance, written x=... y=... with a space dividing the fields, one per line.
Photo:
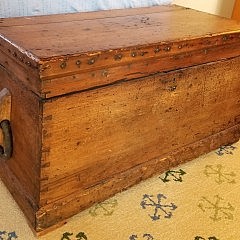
x=199 y=200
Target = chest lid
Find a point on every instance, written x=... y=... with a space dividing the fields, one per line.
x=60 y=54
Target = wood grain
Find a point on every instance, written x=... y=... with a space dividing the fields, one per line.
x=5 y=108
x=54 y=214
x=94 y=35
x=21 y=173
x=5 y=104
x=91 y=137
x=236 y=10
x=99 y=45
x=76 y=82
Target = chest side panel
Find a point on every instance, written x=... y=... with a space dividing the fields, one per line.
x=22 y=171
x=92 y=136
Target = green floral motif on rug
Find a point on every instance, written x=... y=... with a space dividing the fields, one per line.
x=209 y=238
x=69 y=236
x=145 y=236
x=105 y=208
x=217 y=208
x=173 y=175
x=219 y=174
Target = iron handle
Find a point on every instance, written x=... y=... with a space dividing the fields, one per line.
x=7 y=148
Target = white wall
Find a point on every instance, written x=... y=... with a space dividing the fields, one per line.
x=219 y=7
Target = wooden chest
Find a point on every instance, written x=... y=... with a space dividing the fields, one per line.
x=92 y=103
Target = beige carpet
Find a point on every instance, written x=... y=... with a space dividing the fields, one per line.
x=198 y=200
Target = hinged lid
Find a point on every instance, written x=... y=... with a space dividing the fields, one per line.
x=60 y=54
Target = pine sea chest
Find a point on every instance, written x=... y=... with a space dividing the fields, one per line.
x=92 y=103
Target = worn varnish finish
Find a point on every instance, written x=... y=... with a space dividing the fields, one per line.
x=21 y=172
x=236 y=10
x=99 y=101
x=99 y=42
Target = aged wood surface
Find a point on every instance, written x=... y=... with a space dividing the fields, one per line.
x=93 y=35
x=99 y=47
x=5 y=108
x=236 y=10
x=5 y=103
x=91 y=137
x=29 y=76
x=56 y=213
x=109 y=75
x=21 y=173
